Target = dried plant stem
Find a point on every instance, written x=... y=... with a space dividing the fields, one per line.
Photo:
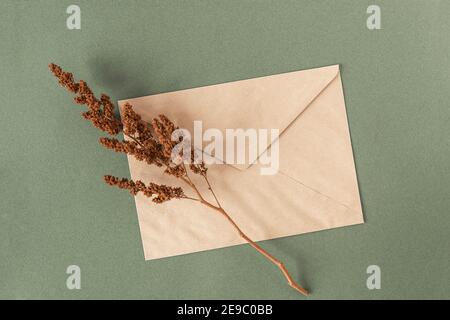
x=266 y=254
x=222 y=211
x=151 y=142
x=211 y=189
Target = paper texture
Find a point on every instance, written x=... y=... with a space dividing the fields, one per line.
x=315 y=189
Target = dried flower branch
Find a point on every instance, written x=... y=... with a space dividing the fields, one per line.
x=158 y=193
x=152 y=143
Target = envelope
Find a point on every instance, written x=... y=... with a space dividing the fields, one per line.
x=314 y=189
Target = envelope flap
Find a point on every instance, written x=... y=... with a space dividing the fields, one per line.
x=270 y=102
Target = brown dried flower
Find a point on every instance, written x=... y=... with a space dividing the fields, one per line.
x=153 y=144
x=164 y=128
x=158 y=192
x=197 y=168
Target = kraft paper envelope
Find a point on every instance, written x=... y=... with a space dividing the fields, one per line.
x=315 y=188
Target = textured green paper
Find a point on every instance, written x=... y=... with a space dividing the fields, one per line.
x=55 y=211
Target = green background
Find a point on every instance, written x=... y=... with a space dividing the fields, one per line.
x=56 y=211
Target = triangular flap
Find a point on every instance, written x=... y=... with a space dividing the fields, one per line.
x=316 y=149
x=270 y=102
